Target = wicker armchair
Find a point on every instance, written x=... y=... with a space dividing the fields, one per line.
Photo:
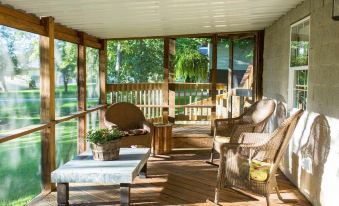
x=127 y=116
x=254 y=119
x=236 y=158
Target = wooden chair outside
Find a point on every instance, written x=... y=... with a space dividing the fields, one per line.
x=236 y=159
x=254 y=119
x=127 y=116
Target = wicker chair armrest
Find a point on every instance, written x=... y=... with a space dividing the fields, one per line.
x=254 y=138
x=238 y=129
x=237 y=147
x=245 y=127
x=110 y=124
x=226 y=121
x=227 y=146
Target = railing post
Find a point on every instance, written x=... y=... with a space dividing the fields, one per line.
x=81 y=146
x=168 y=89
x=47 y=85
x=102 y=79
x=213 y=79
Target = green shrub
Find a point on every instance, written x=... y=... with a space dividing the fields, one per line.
x=102 y=136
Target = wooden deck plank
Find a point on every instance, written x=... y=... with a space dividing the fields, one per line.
x=185 y=179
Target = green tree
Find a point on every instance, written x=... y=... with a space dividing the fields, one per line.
x=92 y=64
x=132 y=61
x=190 y=64
x=67 y=64
x=142 y=60
x=18 y=52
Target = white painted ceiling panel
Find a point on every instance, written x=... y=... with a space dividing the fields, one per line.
x=138 y=18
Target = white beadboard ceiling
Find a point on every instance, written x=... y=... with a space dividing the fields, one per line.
x=139 y=18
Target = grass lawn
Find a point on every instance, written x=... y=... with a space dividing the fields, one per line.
x=20 y=169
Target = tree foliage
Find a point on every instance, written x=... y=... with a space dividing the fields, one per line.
x=18 y=53
x=190 y=64
x=299 y=53
x=66 y=61
x=133 y=61
x=92 y=64
x=142 y=60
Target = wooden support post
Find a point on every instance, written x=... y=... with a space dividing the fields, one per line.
x=258 y=65
x=102 y=79
x=213 y=80
x=168 y=90
x=165 y=86
x=81 y=94
x=230 y=80
x=47 y=85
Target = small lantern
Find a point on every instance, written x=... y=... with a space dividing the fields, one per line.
x=335 y=10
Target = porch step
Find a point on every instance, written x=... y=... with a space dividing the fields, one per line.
x=192 y=136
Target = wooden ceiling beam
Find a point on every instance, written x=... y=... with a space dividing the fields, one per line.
x=200 y=35
x=21 y=20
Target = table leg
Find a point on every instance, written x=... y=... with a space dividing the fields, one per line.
x=124 y=194
x=62 y=194
x=143 y=172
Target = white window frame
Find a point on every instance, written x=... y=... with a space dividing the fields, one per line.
x=291 y=77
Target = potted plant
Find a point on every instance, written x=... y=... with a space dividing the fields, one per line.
x=105 y=143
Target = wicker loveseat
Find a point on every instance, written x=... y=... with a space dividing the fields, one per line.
x=237 y=158
x=127 y=117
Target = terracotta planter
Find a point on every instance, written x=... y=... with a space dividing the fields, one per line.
x=106 y=152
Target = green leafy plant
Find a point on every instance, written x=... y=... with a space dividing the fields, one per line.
x=192 y=66
x=102 y=136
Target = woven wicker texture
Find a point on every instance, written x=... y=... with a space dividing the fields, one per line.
x=127 y=116
x=236 y=157
x=106 y=152
x=254 y=119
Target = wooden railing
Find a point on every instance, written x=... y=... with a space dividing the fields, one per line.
x=147 y=96
x=192 y=102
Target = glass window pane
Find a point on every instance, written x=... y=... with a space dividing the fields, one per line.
x=299 y=62
x=223 y=60
x=300 y=44
x=135 y=61
x=92 y=122
x=92 y=77
x=243 y=50
x=20 y=171
x=300 y=89
x=66 y=96
x=19 y=79
x=66 y=141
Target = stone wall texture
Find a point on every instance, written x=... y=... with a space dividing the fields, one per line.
x=312 y=159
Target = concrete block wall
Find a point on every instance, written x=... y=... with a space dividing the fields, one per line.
x=312 y=160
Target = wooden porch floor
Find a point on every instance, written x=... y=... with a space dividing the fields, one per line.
x=192 y=136
x=192 y=130
x=184 y=179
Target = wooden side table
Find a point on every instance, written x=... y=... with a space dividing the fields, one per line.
x=162 y=139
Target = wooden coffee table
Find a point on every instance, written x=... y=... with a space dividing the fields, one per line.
x=83 y=169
